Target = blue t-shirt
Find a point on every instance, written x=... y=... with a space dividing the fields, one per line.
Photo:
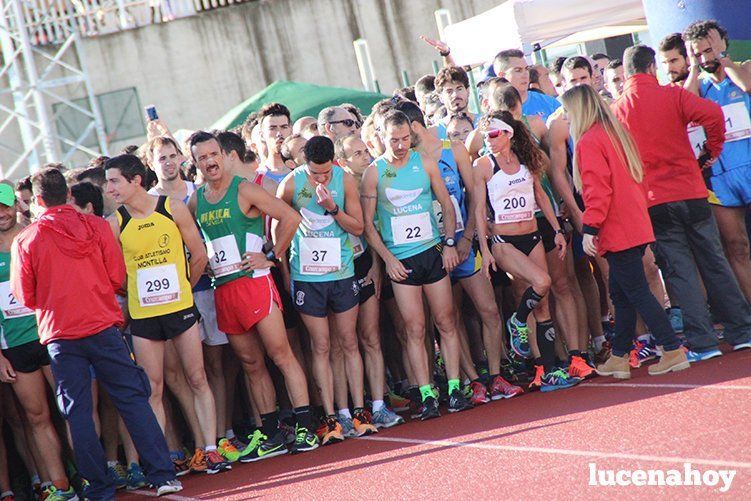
x=539 y=104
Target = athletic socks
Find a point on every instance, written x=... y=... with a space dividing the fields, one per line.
x=305 y=417
x=414 y=394
x=425 y=392
x=269 y=423
x=378 y=405
x=210 y=448
x=344 y=413
x=454 y=384
x=546 y=343
x=112 y=463
x=645 y=338
x=229 y=434
x=598 y=342
x=529 y=301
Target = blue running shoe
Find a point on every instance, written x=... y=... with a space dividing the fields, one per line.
x=519 y=336
x=136 y=478
x=118 y=475
x=386 y=418
x=742 y=346
x=348 y=427
x=700 y=356
x=557 y=379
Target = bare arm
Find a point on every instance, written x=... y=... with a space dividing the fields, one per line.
x=189 y=231
x=474 y=144
x=464 y=164
x=541 y=197
x=286 y=219
x=555 y=140
x=481 y=175
x=441 y=194
x=350 y=216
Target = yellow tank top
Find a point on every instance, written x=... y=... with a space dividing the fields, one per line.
x=155 y=261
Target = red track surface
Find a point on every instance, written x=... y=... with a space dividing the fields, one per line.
x=537 y=445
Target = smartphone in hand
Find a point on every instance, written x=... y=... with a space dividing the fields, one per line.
x=151 y=112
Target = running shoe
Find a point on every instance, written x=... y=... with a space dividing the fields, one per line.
x=415 y=410
x=11 y=497
x=348 y=427
x=579 y=368
x=646 y=351
x=228 y=450
x=398 y=403
x=742 y=346
x=483 y=373
x=289 y=432
x=264 y=447
x=429 y=409
x=479 y=393
x=458 y=403
x=118 y=475
x=333 y=432
x=215 y=462
x=633 y=359
x=136 y=478
x=700 y=356
x=386 y=418
x=305 y=440
x=197 y=463
x=169 y=487
x=557 y=379
x=536 y=382
x=519 y=336
x=239 y=444
x=182 y=466
x=52 y=493
x=500 y=388
x=363 y=423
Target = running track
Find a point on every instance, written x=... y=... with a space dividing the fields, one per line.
x=536 y=445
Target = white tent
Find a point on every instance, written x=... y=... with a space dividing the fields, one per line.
x=522 y=23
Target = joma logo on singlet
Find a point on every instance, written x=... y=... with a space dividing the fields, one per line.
x=145 y=225
x=517 y=181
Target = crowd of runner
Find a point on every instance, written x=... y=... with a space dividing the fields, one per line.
x=290 y=284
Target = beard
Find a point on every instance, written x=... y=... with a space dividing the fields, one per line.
x=710 y=67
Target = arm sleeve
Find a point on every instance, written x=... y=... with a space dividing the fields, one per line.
x=706 y=113
x=597 y=190
x=22 y=277
x=113 y=257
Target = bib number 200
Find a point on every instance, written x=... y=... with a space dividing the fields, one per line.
x=514 y=203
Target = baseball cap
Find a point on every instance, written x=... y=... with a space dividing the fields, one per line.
x=7 y=195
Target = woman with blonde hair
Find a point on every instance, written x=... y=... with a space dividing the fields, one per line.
x=608 y=173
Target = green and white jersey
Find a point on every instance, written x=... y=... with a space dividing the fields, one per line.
x=19 y=323
x=321 y=250
x=405 y=207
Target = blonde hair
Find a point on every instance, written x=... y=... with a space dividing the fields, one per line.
x=585 y=108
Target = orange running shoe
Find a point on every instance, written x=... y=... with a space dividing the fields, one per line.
x=633 y=359
x=363 y=423
x=579 y=368
x=536 y=383
x=198 y=462
x=333 y=431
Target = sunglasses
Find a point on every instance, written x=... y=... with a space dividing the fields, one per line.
x=348 y=122
x=492 y=134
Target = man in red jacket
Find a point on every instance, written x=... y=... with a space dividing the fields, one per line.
x=685 y=229
x=67 y=266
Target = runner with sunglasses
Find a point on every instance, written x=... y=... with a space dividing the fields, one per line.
x=509 y=179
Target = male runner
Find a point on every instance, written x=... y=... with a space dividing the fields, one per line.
x=322 y=272
x=24 y=362
x=153 y=232
x=728 y=84
x=674 y=58
x=399 y=187
x=274 y=127
x=511 y=65
x=230 y=212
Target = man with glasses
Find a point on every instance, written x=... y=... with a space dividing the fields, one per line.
x=452 y=85
x=511 y=65
x=335 y=122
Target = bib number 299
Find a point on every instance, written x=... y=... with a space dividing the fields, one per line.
x=157 y=285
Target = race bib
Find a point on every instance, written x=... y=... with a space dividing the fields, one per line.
x=514 y=208
x=319 y=256
x=224 y=256
x=412 y=228
x=254 y=243
x=697 y=137
x=737 y=122
x=158 y=285
x=357 y=246
x=11 y=307
x=438 y=212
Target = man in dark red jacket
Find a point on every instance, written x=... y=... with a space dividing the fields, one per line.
x=685 y=229
x=67 y=266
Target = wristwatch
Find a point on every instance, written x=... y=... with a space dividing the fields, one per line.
x=449 y=242
x=560 y=231
x=722 y=55
x=332 y=212
x=270 y=256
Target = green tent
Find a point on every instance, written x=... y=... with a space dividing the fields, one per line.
x=302 y=99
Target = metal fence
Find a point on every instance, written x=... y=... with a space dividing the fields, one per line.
x=49 y=21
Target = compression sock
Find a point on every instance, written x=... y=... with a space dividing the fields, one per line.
x=529 y=301
x=425 y=392
x=546 y=343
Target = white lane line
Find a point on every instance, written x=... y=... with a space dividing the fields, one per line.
x=174 y=497
x=563 y=452
x=732 y=387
